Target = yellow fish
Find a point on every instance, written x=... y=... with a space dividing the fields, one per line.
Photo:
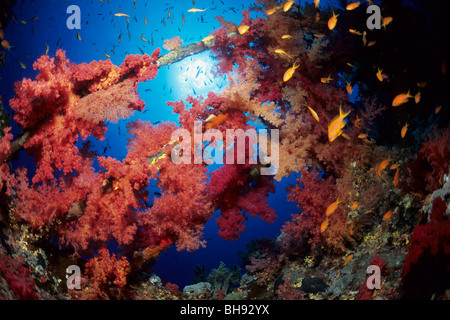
x=290 y=72
x=332 y=207
x=196 y=10
x=352 y=6
x=208 y=38
x=288 y=5
x=243 y=29
x=281 y=51
x=286 y=36
x=22 y=65
x=337 y=124
x=79 y=36
x=314 y=113
x=401 y=99
x=121 y=15
x=333 y=21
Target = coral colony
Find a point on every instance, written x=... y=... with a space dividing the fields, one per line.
x=312 y=93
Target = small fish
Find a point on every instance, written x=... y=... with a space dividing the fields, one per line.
x=281 y=51
x=145 y=21
x=380 y=75
x=143 y=39
x=216 y=121
x=47 y=49
x=208 y=38
x=183 y=19
x=348 y=259
x=371 y=43
x=363 y=136
x=354 y=205
x=335 y=128
x=318 y=35
x=286 y=36
x=352 y=6
x=364 y=38
x=243 y=29
x=314 y=113
x=383 y=166
x=326 y=80
x=316 y=3
x=324 y=225
x=437 y=110
x=332 y=207
x=386 y=22
x=194 y=10
x=333 y=21
x=121 y=15
x=404 y=129
x=395 y=166
x=6 y=45
x=355 y=32
x=288 y=5
x=401 y=99
x=272 y=11
x=387 y=216
x=421 y=84
x=396 y=177
x=351 y=229
x=79 y=36
x=22 y=65
x=107 y=55
x=351 y=65
x=290 y=72
x=417 y=97
x=349 y=88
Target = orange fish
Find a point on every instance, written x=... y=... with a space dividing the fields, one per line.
x=333 y=21
x=290 y=72
x=348 y=259
x=387 y=216
x=351 y=229
x=281 y=51
x=5 y=44
x=364 y=38
x=314 y=113
x=349 y=88
x=404 y=129
x=352 y=6
x=288 y=5
x=396 y=177
x=355 y=205
x=380 y=75
x=326 y=80
x=383 y=166
x=216 y=121
x=243 y=29
x=417 y=97
x=386 y=21
x=316 y=3
x=324 y=225
x=395 y=166
x=272 y=11
x=438 y=109
x=332 y=207
x=336 y=125
x=2 y=34
x=362 y=136
x=355 y=32
x=121 y=15
x=401 y=99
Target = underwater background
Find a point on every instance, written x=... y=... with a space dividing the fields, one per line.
x=363 y=152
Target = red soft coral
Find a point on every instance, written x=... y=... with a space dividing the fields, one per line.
x=426 y=270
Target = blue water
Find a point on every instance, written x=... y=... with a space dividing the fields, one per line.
x=99 y=32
